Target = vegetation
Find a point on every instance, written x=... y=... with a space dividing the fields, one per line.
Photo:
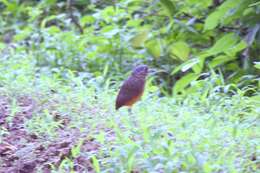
x=62 y=63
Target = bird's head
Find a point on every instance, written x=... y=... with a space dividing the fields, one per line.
x=140 y=71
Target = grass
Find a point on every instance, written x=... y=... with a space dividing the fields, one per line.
x=197 y=133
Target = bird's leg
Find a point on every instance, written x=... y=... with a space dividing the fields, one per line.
x=130 y=111
x=133 y=118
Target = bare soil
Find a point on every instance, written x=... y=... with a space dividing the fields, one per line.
x=24 y=152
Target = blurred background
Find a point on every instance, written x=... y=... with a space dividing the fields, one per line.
x=104 y=39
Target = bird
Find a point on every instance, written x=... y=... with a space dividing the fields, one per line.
x=132 y=88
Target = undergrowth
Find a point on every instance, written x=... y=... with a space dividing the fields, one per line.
x=213 y=132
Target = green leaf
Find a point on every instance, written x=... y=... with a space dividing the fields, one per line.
x=189 y=65
x=11 y=6
x=181 y=84
x=95 y=164
x=212 y=21
x=138 y=40
x=131 y=157
x=180 y=50
x=198 y=67
x=87 y=20
x=23 y=34
x=220 y=60
x=2 y=46
x=75 y=151
x=257 y=65
x=108 y=11
x=232 y=51
x=34 y=13
x=134 y=22
x=223 y=44
x=233 y=66
x=154 y=48
x=220 y=14
x=169 y=6
x=110 y=31
x=254 y=4
x=207 y=167
x=50 y=2
x=47 y=19
x=185 y=66
x=53 y=29
x=106 y=69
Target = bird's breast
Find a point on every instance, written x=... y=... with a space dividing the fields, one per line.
x=130 y=92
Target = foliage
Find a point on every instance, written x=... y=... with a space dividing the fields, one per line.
x=69 y=56
x=182 y=39
x=213 y=131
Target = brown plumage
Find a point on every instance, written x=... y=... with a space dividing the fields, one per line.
x=132 y=88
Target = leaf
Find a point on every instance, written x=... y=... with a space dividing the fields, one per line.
x=189 y=65
x=185 y=66
x=106 y=69
x=223 y=44
x=191 y=159
x=197 y=68
x=180 y=50
x=154 y=48
x=257 y=65
x=11 y=6
x=23 y=34
x=138 y=40
x=181 y=84
x=254 y=4
x=131 y=157
x=134 y=22
x=227 y=44
x=169 y=7
x=75 y=151
x=207 y=168
x=95 y=164
x=219 y=14
x=47 y=19
x=2 y=46
x=212 y=21
x=110 y=31
x=235 y=49
x=53 y=29
x=87 y=20
x=220 y=60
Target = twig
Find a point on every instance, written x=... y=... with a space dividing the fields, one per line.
x=221 y=28
x=73 y=18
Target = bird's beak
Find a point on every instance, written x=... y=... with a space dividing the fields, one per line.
x=152 y=71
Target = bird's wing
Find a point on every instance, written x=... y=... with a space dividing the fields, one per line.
x=129 y=91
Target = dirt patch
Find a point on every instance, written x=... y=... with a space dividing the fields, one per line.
x=23 y=152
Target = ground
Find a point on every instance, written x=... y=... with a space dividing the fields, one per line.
x=69 y=129
x=23 y=152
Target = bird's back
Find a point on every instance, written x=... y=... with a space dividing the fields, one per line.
x=130 y=92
